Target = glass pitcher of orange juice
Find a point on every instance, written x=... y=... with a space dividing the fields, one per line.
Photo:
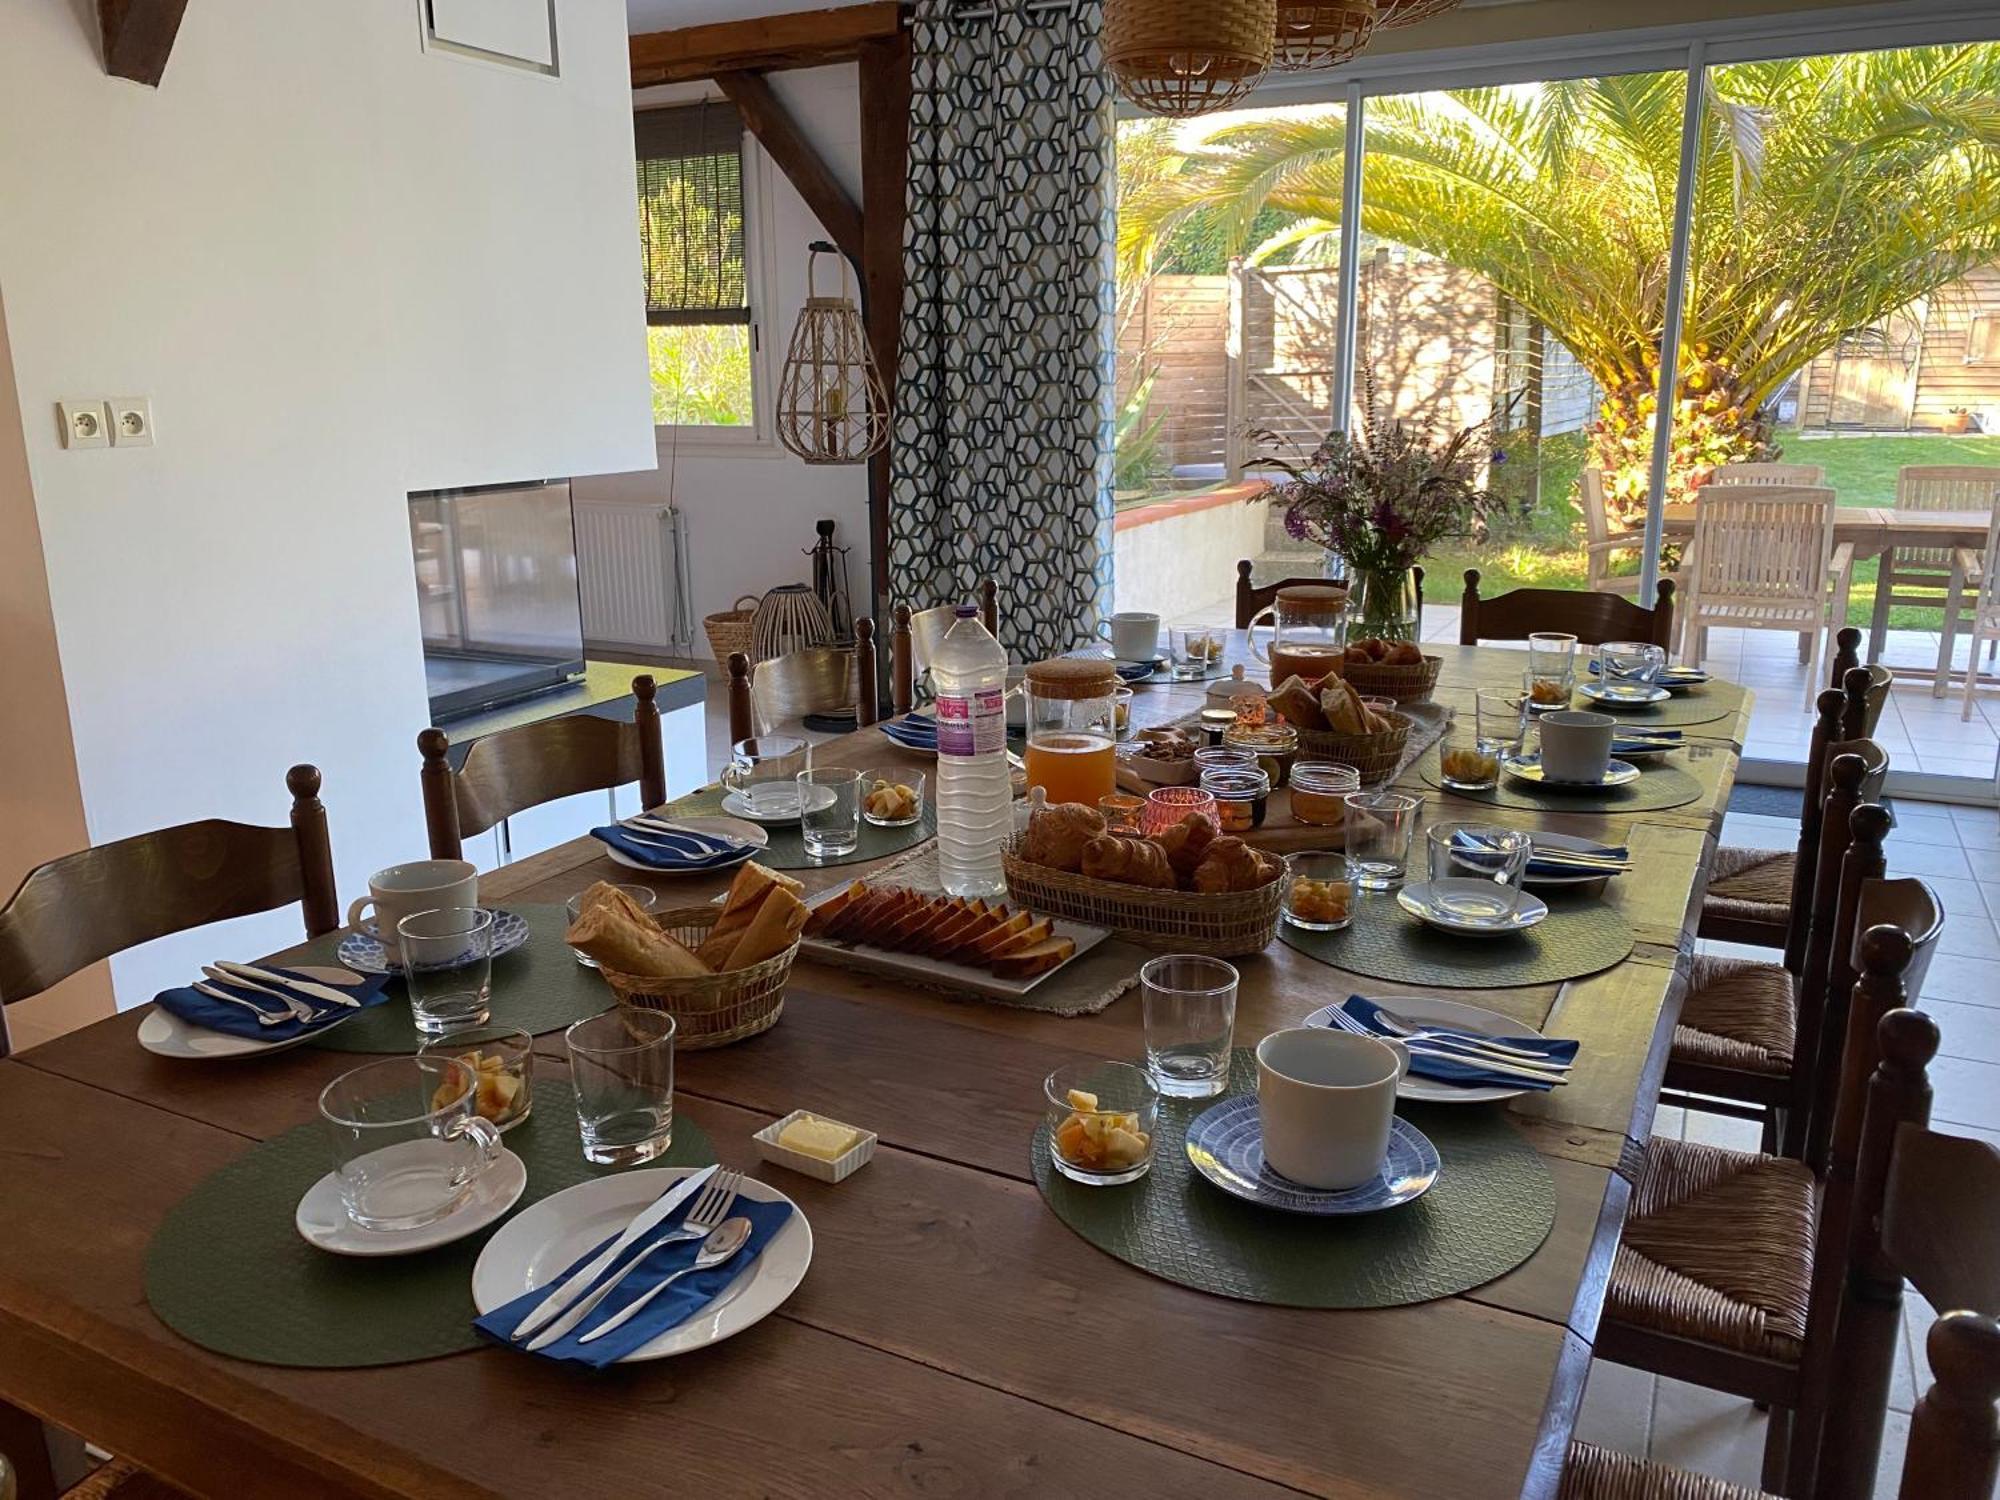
x=1308 y=631
x=1072 y=729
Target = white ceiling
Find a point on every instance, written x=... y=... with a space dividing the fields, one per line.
x=661 y=15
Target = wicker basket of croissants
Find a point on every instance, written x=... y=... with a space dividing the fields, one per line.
x=1391 y=669
x=1188 y=888
x=1335 y=725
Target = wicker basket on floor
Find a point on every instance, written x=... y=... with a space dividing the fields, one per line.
x=729 y=629
x=1374 y=757
x=1406 y=684
x=1226 y=925
x=709 y=1010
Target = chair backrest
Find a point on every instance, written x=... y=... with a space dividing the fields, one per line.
x=1812 y=812
x=81 y=907
x=1947 y=487
x=1253 y=599
x=1595 y=504
x=1762 y=543
x=523 y=767
x=1768 y=474
x=914 y=637
x=1852 y=767
x=813 y=680
x=1866 y=693
x=1591 y=617
x=1989 y=580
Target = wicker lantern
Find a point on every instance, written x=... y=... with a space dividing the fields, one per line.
x=1188 y=57
x=832 y=408
x=1408 y=12
x=1321 y=33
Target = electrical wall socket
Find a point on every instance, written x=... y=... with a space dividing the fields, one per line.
x=84 y=424
x=131 y=421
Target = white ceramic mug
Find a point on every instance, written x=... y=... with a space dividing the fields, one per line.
x=1325 y=1099
x=1576 y=744
x=421 y=885
x=1134 y=635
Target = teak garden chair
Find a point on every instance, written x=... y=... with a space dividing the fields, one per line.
x=1940 y=578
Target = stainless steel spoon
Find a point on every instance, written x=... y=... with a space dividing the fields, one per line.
x=727 y=1238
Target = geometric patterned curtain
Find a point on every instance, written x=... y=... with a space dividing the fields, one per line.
x=1001 y=456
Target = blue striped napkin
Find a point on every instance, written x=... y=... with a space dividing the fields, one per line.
x=1470 y=1074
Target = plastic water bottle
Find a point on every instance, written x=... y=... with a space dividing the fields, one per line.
x=974 y=788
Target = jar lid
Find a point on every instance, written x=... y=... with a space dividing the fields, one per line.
x=1235 y=783
x=1314 y=601
x=1072 y=677
x=1253 y=737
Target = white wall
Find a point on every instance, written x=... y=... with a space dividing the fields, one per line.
x=341 y=268
x=751 y=513
x=1183 y=567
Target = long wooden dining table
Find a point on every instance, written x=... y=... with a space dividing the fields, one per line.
x=952 y=1336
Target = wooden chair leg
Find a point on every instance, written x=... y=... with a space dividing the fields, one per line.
x=1971 y=676
x=1777 y=1449
x=1878 y=620
x=26 y=1444
x=1947 y=630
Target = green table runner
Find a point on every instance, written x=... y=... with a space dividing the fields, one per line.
x=1659 y=787
x=787 y=849
x=1702 y=705
x=1580 y=936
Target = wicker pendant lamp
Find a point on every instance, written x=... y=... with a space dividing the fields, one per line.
x=832 y=407
x=1408 y=12
x=1322 y=33
x=1188 y=57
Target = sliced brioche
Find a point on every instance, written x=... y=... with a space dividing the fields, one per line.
x=1037 y=959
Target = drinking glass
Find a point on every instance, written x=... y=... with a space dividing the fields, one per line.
x=1121 y=812
x=1319 y=891
x=882 y=804
x=1103 y=1119
x=1476 y=871
x=1168 y=805
x=1196 y=651
x=830 y=811
x=1380 y=826
x=622 y=1069
x=1121 y=712
x=1551 y=670
x=1188 y=1007
x=1469 y=758
x=1629 y=669
x=765 y=772
x=448 y=967
x=406 y=1141
x=644 y=897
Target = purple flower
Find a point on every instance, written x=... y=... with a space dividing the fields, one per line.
x=1499 y=455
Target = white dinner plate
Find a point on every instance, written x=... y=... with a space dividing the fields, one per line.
x=722 y=828
x=1415 y=898
x=547 y=1238
x=1455 y=1013
x=165 y=1034
x=322 y=1222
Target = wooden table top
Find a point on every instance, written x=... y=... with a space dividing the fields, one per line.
x=1873 y=530
x=953 y=1334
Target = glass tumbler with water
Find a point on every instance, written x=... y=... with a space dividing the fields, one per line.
x=408 y=1144
x=448 y=967
x=622 y=1069
x=1476 y=871
x=974 y=788
x=1188 y=1005
x=830 y=811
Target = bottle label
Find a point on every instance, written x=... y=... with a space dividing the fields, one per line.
x=974 y=724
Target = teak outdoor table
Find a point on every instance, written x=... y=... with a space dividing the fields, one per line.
x=952 y=1335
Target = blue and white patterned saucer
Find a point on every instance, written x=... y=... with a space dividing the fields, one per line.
x=1226 y=1145
x=363 y=952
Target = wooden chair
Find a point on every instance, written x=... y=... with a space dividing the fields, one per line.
x=1938 y=578
x=519 y=768
x=915 y=636
x=1763 y=558
x=1985 y=618
x=1601 y=540
x=1592 y=618
x=816 y=680
x=79 y=908
x=1809 y=474
x=1723 y=1251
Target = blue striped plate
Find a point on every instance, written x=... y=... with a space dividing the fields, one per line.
x=1226 y=1145
x=362 y=951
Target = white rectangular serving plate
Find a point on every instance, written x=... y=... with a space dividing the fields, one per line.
x=935 y=973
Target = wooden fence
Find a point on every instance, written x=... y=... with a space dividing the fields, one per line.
x=1909 y=370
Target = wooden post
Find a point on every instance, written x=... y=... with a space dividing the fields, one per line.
x=320 y=899
x=440 y=795
x=885 y=159
x=1823 y=1032
x=902 y=683
x=1854 y=712
x=868 y=688
x=1234 y=399
x=1468 y=610
x=1846 y=655
x=742 y=725
x=652 y=754
x=1954 y=1446
x=1843 y=795
x=1811 y=820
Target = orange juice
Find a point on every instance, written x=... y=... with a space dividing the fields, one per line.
x=1072 y=767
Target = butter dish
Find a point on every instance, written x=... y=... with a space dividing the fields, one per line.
x=840 y=1167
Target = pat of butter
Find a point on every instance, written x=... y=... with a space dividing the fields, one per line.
x=826 y=1139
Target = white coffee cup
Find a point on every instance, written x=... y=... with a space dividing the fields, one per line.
x=1325 y=1099
x=1134 y=635
x=421 y=885
x=1576 y=744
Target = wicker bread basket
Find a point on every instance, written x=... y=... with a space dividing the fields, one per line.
x=1227 y=925
x=1406 y=684
x=1374 y=757
x=709 y=1010
x=729 y=629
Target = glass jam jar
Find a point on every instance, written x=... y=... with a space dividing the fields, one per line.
x=1242 y=795
x=1275 y=747
x=1072 y=729
x=1308 y=632
x=1319 y=793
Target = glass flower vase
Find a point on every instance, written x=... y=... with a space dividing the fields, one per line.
x=1383 y=604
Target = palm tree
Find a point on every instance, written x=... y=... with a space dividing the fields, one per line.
x=1830 y=191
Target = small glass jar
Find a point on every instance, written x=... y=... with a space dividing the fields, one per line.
x=1319 y=793
x=1121 y=812
x=1276 y=747
x=1319 y=891
x=1071 y=709
x=1242 y=794
x=1215 y=723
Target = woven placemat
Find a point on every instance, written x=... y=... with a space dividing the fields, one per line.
x=1492 y=1206
x=228 y=1270
x=1702 y=705
x=787 y=849
x=1658 y=787
x=1582 y=935
x=539 y=988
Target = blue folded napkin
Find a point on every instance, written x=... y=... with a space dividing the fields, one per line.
x=1135 y=671
x=197 y=1009
x=1470 y=1074
x=1687 y=675
x=1544 y=861
x=1641 y=744
x=666 y=851
x=670 y=1309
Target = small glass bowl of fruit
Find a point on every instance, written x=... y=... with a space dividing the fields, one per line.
x=894 y=799
x=1319 y=892
x=503 y=1060
x=1103 y=1118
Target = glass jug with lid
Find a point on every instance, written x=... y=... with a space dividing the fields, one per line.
x=1308 y=631
x=1072 y=729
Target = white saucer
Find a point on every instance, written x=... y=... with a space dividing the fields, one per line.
x=323 y=1223
x=1528 y=768
x=1624 y=697
x=1414 y=898
x=165 y=1034
x=548 y=1237
x=723 y=828
x=738 y=806
x=1452 y=1013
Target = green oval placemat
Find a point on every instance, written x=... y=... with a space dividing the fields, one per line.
x=1581 y=936
x=228 y=1270
x=1702 y=705
x=539 y=987
x=1492 y=1206
x=1658 y=788
x=787 y=849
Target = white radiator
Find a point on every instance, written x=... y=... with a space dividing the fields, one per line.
x=632 y=571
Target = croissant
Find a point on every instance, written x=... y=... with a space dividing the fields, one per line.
x=1056 y=835
x=1229 y=865
x=1185 y=843
x=1128 y=861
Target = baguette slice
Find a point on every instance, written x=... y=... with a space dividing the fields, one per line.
x=779 y=917
x=1027 y=963
x=632 y=947
x=739 y=909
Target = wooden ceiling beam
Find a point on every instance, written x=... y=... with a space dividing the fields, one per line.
x=139 y=37
x=779 y=134
x=803 y=39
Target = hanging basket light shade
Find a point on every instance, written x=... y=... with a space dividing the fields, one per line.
x=1408 y=12
x=1188 y=57
x=832 y=406
x=1322 y=33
